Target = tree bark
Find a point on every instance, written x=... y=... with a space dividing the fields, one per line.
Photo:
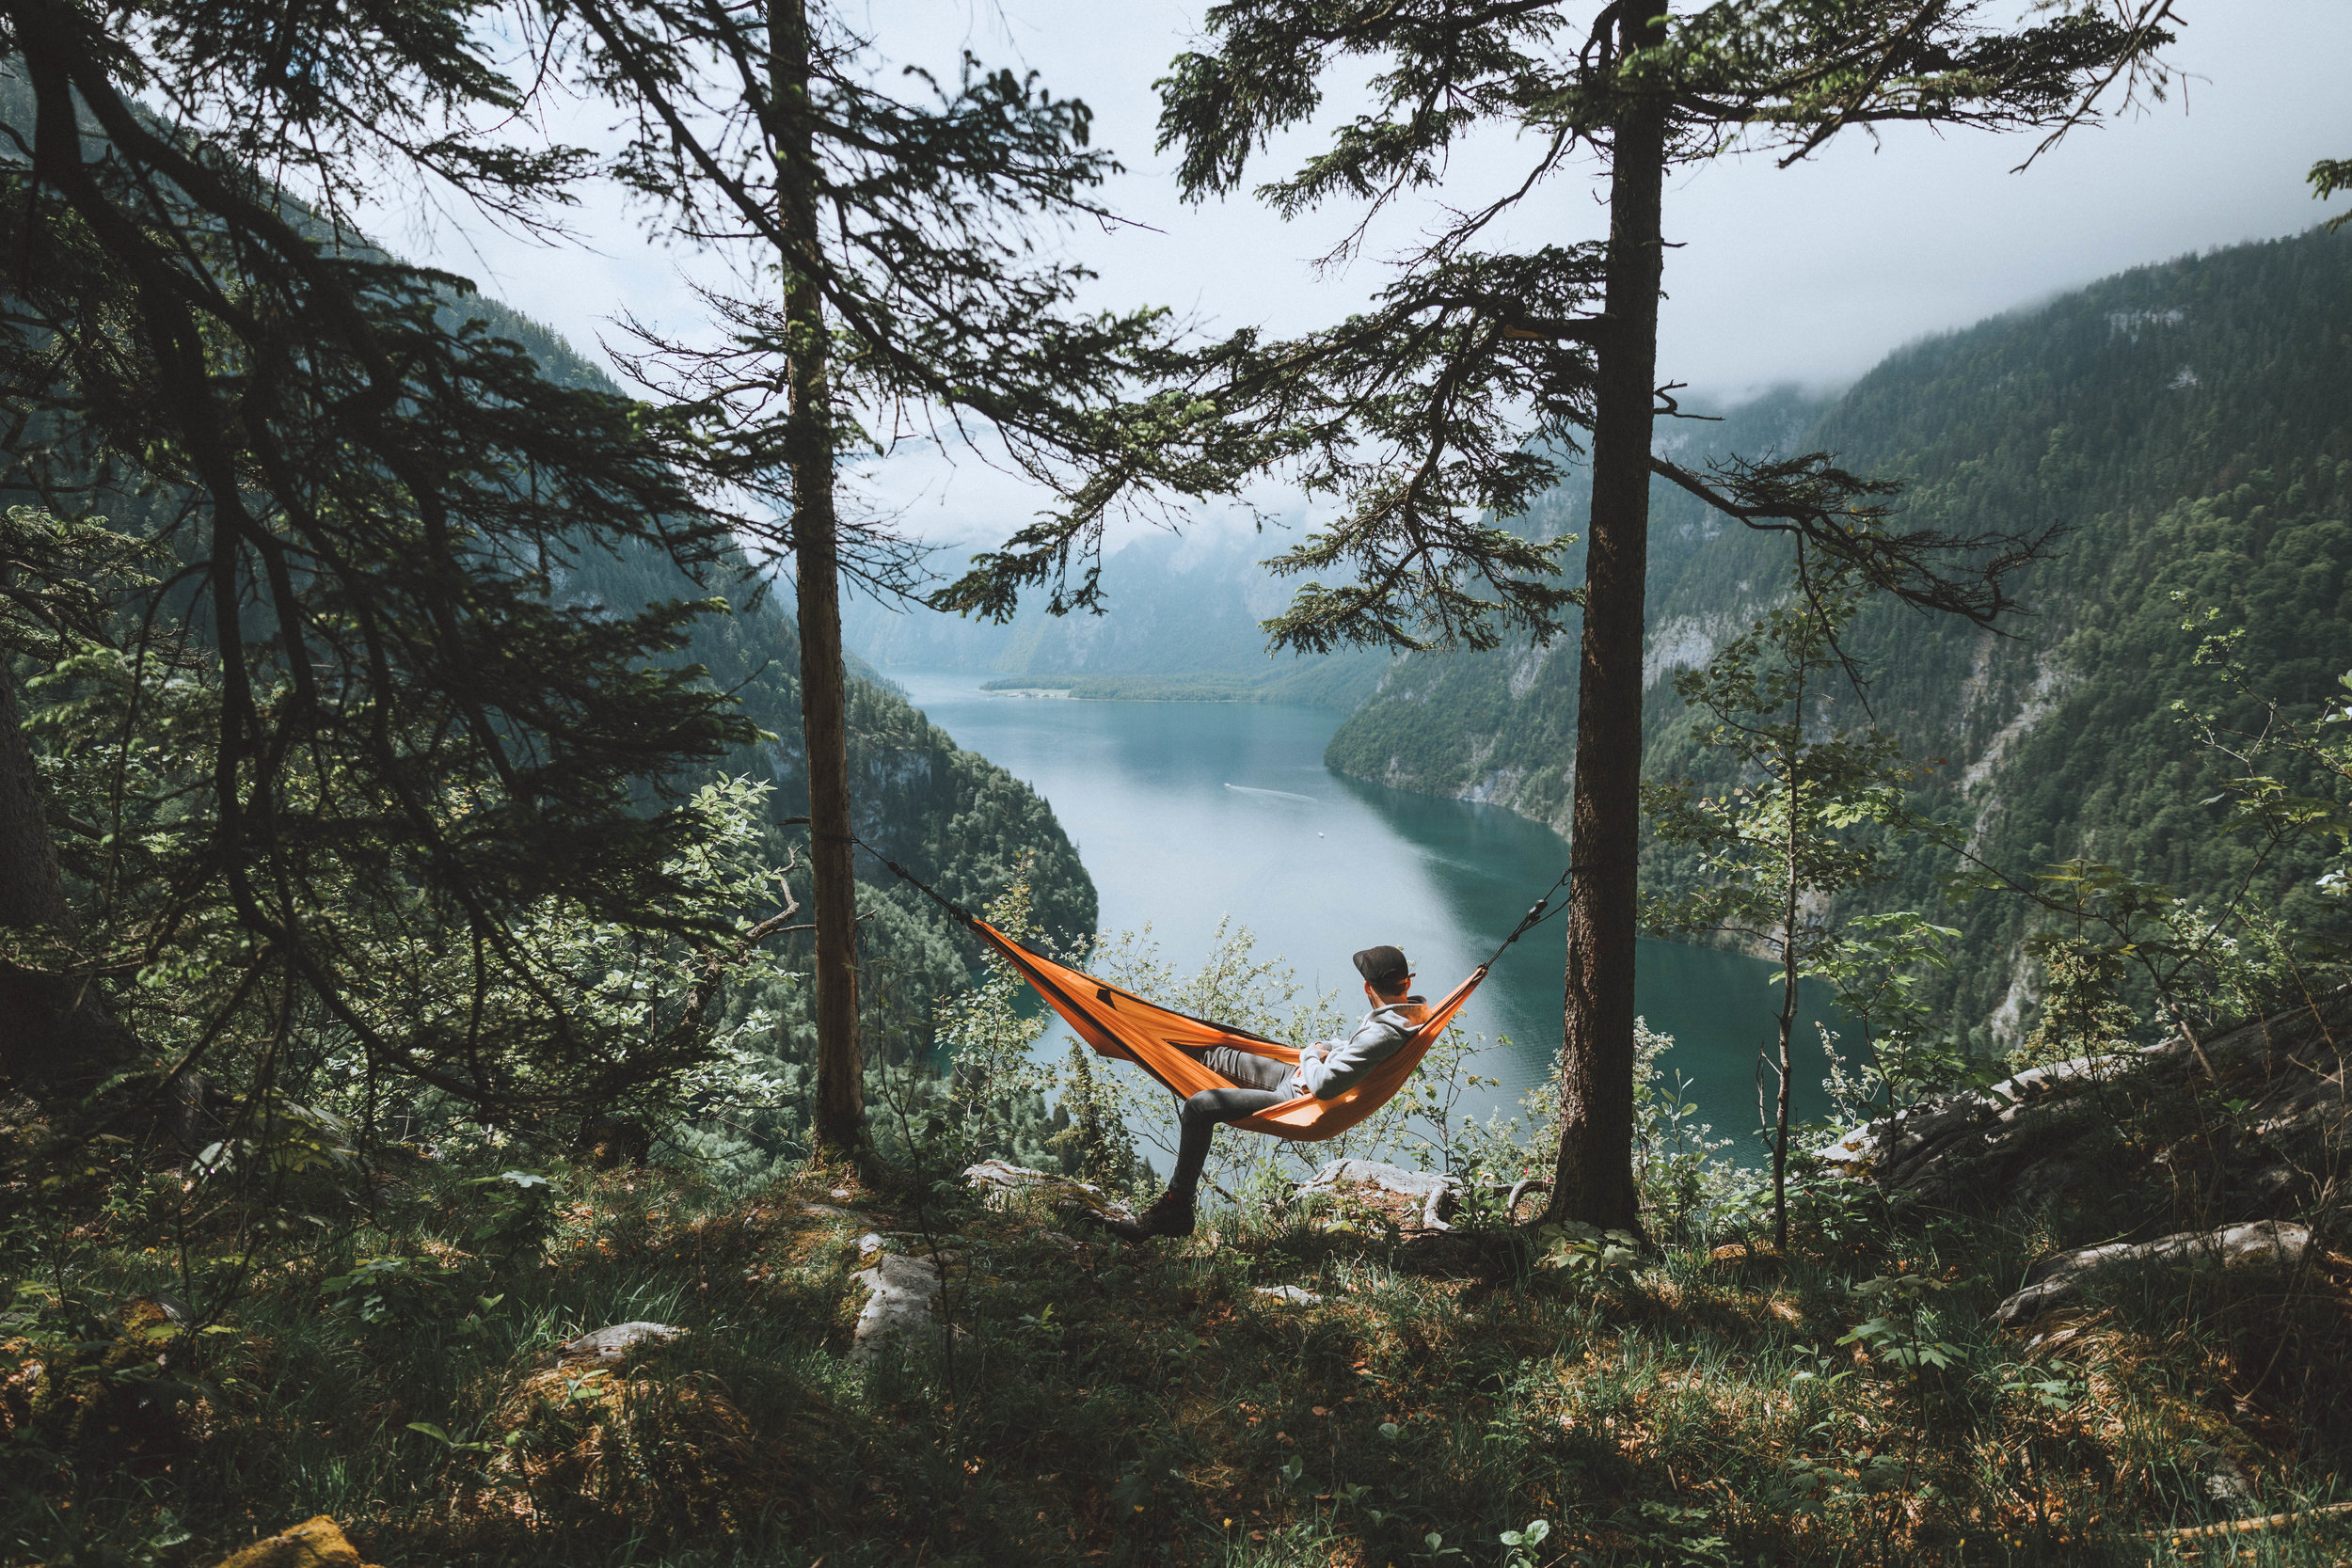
x=59 y=1039
x=840 y=1117
x=1788 y=980
x=1594 y=1179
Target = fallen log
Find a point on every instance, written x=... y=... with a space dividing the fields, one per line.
x=2247 y=1526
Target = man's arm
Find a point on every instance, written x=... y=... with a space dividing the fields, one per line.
x=1332 y=1067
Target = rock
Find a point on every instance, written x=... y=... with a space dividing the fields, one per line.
x=2059 y=1077
x=1290 y=1294
x=1388 y=1178
x=1853 y=1147
x=655 y=1445
x=2060 y=1280
x=903 y=1306
x=1002 y=1182
x=313 y=1544
x=1433 y=1189
x=610 y=1346
x=2219 y=1478
x=99 y=1398
x=2233 y=1127
x=842 y=1209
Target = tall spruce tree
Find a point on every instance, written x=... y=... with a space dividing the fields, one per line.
x=357 y=502
x=1479 y=370
x=906 y=292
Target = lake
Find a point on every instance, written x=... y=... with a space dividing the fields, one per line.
x=1190 y=814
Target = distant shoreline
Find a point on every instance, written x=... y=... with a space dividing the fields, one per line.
x=1281 y=689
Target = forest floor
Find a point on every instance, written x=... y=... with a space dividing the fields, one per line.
x=1431 y=1398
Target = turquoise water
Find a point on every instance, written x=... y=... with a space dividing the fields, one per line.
x=1187 y=814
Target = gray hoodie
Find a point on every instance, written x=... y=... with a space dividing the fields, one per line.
x=1329 y=1069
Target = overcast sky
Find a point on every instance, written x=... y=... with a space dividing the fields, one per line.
x=1809 y=274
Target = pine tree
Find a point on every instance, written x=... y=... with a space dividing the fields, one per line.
x=1480 y=371
x=361 y=502
x=907 y=298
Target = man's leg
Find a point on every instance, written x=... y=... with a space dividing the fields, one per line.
x=1172 y=1213
x=1197 y=1124
x=1244 y=1070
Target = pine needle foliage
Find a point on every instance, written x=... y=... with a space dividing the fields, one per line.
x=362 y=502
x=1631 y=89
x=948 y=317
x=1480 y=388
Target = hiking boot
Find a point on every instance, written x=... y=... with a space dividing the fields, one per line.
x=1169 y=1216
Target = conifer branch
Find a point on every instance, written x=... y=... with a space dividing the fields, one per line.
x=1836 y=512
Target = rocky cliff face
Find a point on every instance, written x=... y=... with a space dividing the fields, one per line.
x=2253 y=1124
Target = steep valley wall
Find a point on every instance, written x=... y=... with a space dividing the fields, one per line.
x=2190 y=425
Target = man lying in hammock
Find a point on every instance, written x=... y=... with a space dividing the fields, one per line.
x=1325 y=1070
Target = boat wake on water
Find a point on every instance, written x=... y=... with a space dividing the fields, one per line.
x=1276 y=794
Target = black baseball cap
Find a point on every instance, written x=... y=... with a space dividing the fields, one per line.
x=1384 y=967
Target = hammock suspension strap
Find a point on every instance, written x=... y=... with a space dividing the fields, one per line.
x=1534 y=917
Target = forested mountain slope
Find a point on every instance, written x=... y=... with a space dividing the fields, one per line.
x=1500 y=726
x=2190 y=423
x=955 y=818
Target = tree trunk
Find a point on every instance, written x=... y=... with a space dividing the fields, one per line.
x=1787 y=993
x=840 y=1119
x=59 y=1041
x=1595 y=1176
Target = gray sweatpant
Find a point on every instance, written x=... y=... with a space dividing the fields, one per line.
x=1261 y=1084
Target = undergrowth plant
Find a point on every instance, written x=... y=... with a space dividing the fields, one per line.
x=300 y=1319
x=1842 y=1403
x=1276 y=1389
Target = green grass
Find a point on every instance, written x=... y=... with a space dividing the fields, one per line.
x=1141 y=1405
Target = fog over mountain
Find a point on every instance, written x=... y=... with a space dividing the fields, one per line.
x=1182 y=609
x=1807 y=274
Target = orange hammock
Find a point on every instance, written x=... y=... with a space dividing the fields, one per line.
x=1120 y=1024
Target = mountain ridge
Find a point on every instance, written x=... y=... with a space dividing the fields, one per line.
x=1182 y=619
